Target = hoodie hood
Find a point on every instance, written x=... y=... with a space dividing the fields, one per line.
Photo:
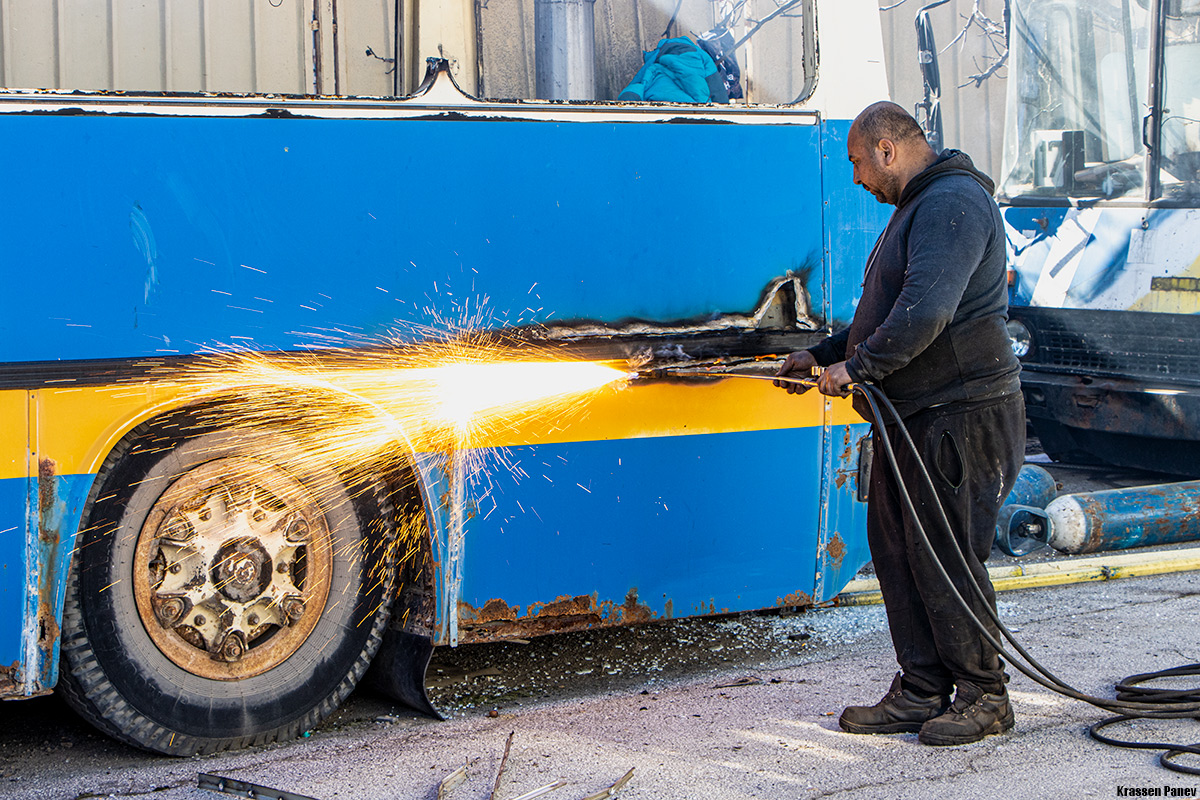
x=950 y=162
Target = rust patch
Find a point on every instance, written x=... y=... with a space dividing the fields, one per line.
x=9 y=683
x=47 y=497
x=795 y=600
x=836 y=550
x=498 y=620
x=497 y=609
x=564 y=606
x=48 y=630
x=494 y=610
x=847 y=445
x=840 y=480
x=633 y=611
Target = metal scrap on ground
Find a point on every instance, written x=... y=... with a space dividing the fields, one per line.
x=451 y=782
x=542 y=790
x=217 y=783
x=503 y=762
x=749 y=680
x=611 y=791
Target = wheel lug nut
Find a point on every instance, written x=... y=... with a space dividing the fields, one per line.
x=233 y=648
x=293 y=609
x=170 y=611
x=252 y=619
x=199 y=620
x=175 y=569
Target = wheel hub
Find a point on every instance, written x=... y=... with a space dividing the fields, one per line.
x=232 y=568
x=241 y=570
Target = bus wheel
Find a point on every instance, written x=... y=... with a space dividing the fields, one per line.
x=226 y=592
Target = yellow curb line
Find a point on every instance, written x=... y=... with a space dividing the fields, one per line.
x=1054 y=573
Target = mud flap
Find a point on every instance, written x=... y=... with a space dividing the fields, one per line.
x=398 y=669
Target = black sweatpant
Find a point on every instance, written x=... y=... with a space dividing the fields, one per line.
x=973 y=452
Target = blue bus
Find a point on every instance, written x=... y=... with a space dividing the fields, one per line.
x=191 y=583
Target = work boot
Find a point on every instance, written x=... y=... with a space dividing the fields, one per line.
x=972 y=716
x=900 y=711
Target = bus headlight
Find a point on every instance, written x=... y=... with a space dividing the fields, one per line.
x=1020 y=338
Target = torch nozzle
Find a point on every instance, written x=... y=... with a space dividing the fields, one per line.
x=684 y=372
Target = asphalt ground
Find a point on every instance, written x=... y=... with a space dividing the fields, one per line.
x=738 y=707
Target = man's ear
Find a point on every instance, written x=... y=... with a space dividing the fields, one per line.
x=887 y=149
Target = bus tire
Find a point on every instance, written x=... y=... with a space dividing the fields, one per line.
x=225 y=591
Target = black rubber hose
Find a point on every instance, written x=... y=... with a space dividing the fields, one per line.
x=1133 y=701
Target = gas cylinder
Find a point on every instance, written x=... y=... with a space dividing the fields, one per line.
x=1121 y=518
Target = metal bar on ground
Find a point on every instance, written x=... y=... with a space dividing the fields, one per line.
x=611 y=791
x=542 y=790
x=218 y=783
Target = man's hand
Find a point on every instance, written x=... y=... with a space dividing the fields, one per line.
x=797 y=365
x=835 y=380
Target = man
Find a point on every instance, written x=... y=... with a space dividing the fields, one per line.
x=930 y=331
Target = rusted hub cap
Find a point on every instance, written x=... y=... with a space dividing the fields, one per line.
x=232 y=568
x=241 y=570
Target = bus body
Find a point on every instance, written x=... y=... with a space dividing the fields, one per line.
x=1101 y=198
x=142 y=230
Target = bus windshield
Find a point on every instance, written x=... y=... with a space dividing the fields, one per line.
x=1076 y=99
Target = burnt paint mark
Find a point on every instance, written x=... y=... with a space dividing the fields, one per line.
x=836 y=550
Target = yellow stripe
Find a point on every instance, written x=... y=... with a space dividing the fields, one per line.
x=670 y=408
x=1055 y=573
x=77 y=427
x=14 y=434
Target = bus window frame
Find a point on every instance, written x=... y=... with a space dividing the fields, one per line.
x=810 y=63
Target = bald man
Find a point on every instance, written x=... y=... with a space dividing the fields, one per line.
x=930 y=331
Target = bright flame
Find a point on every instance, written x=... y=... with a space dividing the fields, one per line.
x=469 y=393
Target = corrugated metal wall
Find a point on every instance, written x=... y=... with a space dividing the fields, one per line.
x=281 y=46
x=972 y=118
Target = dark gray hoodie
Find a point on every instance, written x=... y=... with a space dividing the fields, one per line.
x=930 y=327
